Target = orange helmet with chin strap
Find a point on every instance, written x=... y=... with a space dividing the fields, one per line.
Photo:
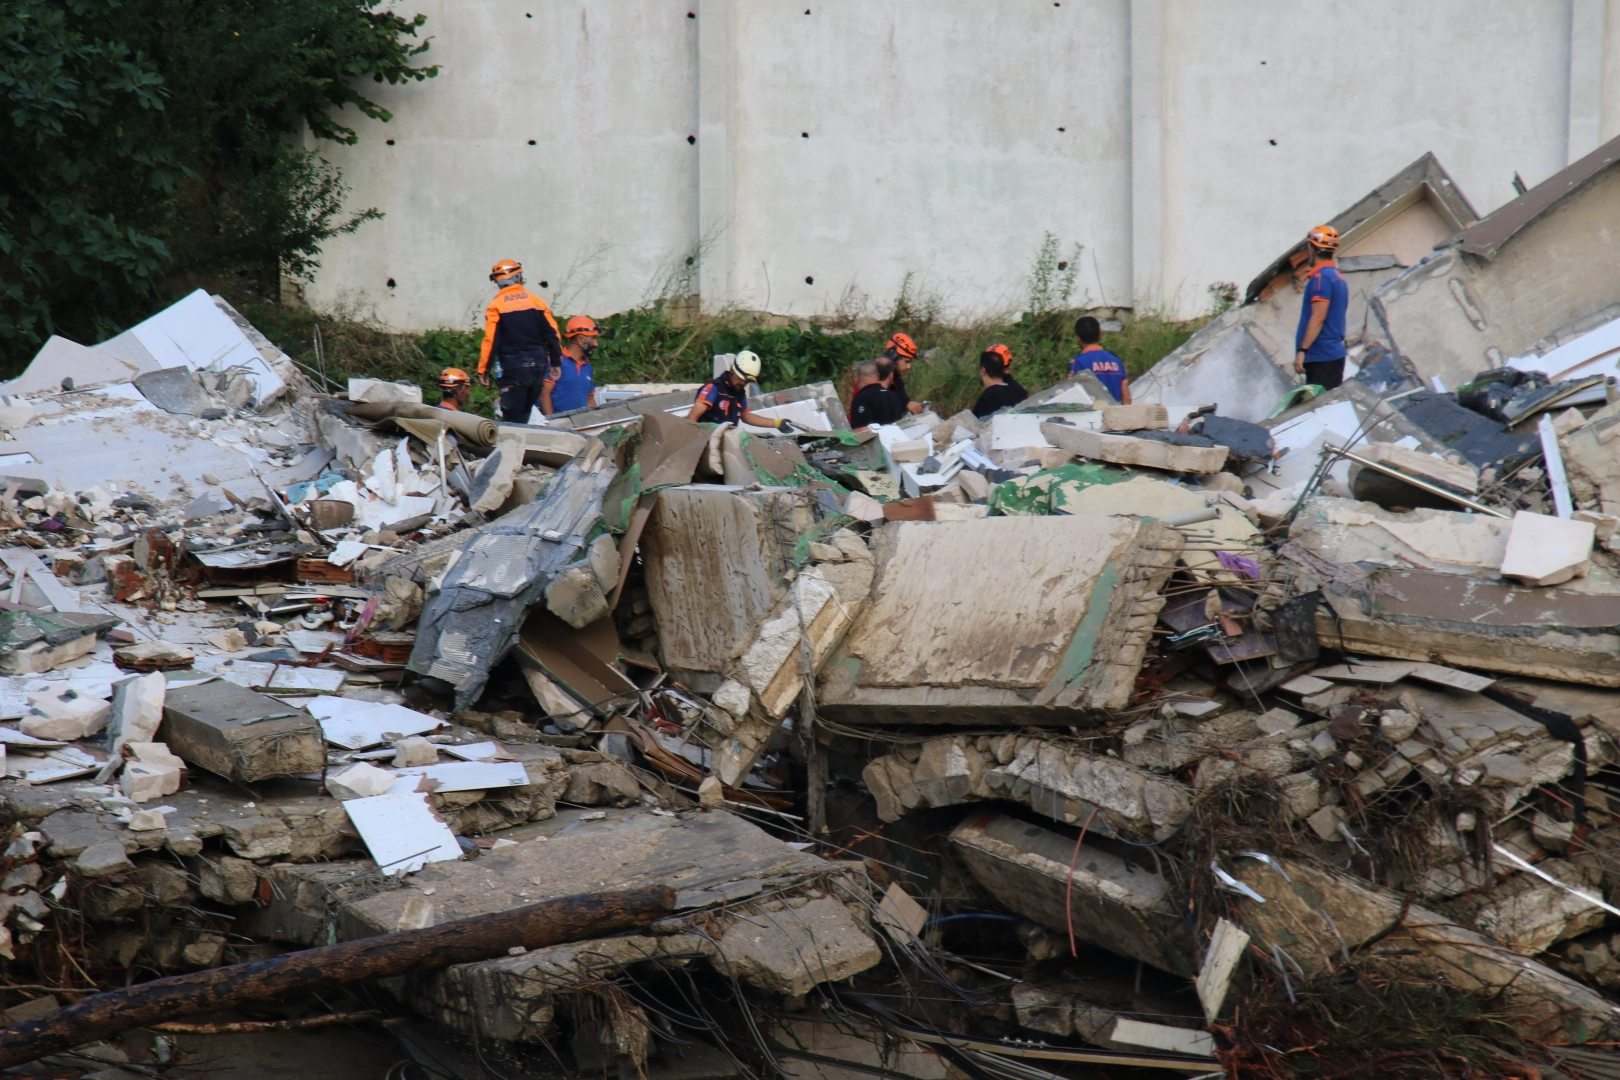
x=507 y=272
x=581 y=324
x=903 y=346
x=452 y=379
x=1323 y=238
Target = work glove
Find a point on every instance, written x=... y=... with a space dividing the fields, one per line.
x=786 y=427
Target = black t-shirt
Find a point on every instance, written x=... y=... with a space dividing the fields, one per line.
x=897 y=387
x=997 y=396
x=874 y=405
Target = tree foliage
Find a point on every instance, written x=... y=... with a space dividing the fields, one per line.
x=147 y=147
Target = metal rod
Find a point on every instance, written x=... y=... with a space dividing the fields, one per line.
x=1421 y=485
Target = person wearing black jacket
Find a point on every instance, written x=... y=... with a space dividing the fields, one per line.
x=999 y=391
x=872 y=403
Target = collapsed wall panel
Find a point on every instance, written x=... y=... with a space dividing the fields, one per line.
x=1017 y=619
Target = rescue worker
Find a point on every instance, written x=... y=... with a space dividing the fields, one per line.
x=724 y=400
x=455 y=389
x=901 y=351
x=521 y=336
x=1005 y=355
x=1092 y=357
x=1319 y=350
x=572 y=385
x=999 y=391
x=873 y=403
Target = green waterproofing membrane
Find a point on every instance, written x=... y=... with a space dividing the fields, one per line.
x=1050 y=490
x=665 y=453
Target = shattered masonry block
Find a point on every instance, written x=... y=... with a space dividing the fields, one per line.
x=137 y=709
x=146 y=821
x=1127 y=450
x=1543 y=550
x=1135 y=417
x=155 y=753
x=64 y=715
x=360 y=781
x=143 y=782
x=104 y=858
x=412 y=751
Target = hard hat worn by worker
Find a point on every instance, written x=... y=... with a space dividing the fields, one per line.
x=453 y=378
x=1323 y=238
x=580 y=324
x=903 y=346
x=746 y=366
x=507 y=272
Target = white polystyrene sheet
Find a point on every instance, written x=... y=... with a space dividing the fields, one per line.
x=193 y=332
x=402 y=832
x=1596 y=352
x=355 y=725
x=478 y=751
x=254 y=674
x=463 y=776
x=807 y=415
x=64 y=359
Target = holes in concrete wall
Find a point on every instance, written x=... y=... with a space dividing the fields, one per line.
x=1273 y=142
x=391 y=284
x=691 y=140
x=1063 y=129
x=531 y=142
x=390 y=142
x=545 y=284
x=528 y=15
x=804 y=134
x=691 y=14
x=809 y=279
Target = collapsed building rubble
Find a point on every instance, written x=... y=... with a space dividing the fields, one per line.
x=1082 y=735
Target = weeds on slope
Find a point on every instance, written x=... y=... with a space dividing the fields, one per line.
x=668 y=339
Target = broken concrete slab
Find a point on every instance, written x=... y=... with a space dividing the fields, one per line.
x=1551 y=633
x=237 y=733
x=1065 y=784
x=1345 y=531
x=700 y=534
x=1457 y=476
x=1414 y=940
x=801 y=933
x=1056 y=624
x=1127 y=450
x=1134 y=417
x=1543 y=550
x=1119 y=905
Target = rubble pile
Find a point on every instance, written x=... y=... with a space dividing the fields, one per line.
x=1246 y=729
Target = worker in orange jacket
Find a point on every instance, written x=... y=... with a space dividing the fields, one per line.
x=520 y=334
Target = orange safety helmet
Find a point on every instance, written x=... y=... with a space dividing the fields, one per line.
x=903 y=346
x=580 y=324
x=453 y=378
x=1323 y=238
x=506 y=272
x=1003 y=352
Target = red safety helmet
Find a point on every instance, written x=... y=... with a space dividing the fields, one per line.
x=1323 y=238
x=506 y=272
x=580 y=324
x=903 y=346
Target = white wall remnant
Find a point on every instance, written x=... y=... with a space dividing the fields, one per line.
x=799 y=155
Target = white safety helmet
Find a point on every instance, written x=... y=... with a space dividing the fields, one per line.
x=745 y=365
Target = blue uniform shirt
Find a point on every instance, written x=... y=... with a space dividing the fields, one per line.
x=1324 y=284
x=726 y=405
x=572 y=388
x=1109 y=369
